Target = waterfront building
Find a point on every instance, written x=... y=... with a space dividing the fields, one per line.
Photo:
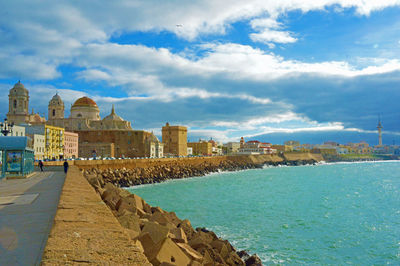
x=18 y=107
x=71 y=140
x=54 y=139
x=189 y=151
x=201 y=147
x=175 y=140
x=232 y=147
x=359 y=148
x=283 y=148
x=257 y=147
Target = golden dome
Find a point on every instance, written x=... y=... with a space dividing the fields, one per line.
x=84 y=101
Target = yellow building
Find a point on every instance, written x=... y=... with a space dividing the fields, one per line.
x=53 y=139
x=175 y=140
x=201 y=148
x=54 y=142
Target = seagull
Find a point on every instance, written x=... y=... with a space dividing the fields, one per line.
x=179 y=25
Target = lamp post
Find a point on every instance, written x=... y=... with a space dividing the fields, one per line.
x=6 y=128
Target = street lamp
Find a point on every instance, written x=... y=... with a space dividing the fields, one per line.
x=6 y=128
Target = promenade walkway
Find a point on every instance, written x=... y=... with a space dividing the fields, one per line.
x=27 y=210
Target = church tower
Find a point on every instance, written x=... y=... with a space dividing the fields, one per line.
x=56 y=107
x=18 y=104
x=379 y=127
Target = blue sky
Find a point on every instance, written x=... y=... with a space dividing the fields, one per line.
x=268 y=70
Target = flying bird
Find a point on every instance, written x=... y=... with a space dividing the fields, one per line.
x=179 y=25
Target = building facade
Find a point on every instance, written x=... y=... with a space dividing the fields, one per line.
x=53 y=139
x=39 y=146
x=256 y=147
x=71 y=140
x=203 y=148
x=175 y=140
x=232 y=147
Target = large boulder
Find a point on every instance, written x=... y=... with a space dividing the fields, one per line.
x=157 y=232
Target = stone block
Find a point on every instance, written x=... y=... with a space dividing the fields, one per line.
x=138 y=201
x=178 y=235
x=187 y=228
x=126 y=203
x=167 y=251
x=111 y=198
x=160 y=218
x=130 y=222
x=146 y=241
x=157 y=232
x=221 y=246
x=157 y=209
x=193 y=254
x=234 y=259
x=173 y=218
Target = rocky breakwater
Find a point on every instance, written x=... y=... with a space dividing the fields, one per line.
x=162 y=236
x=154 y=174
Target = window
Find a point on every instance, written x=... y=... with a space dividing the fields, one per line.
x=15 y=104
x=54 y=112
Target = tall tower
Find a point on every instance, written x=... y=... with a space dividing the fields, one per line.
x=18 y=104
x=379 y=127
x=174 y=139
x=56 y=107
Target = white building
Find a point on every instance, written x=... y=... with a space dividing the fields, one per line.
x=38 y=146
x=256 y=147
x=232 y=147
x=17 y=131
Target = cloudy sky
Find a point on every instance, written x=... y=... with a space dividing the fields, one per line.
x=270 y=70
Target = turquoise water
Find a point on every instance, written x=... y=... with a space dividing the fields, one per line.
x=325 y=214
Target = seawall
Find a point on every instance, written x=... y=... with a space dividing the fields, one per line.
x=85 y=230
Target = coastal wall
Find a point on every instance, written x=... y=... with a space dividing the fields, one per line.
x=85 y=230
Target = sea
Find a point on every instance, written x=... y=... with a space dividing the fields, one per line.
x=326 y=214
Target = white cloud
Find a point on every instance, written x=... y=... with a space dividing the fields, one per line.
x=268 y=32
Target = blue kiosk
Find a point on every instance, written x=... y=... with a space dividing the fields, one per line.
x=16 y=157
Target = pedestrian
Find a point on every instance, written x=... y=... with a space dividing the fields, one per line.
x=65 y=166
x=41 y=165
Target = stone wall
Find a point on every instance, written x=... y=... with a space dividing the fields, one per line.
x=85 y=230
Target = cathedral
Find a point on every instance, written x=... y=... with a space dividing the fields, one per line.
x=111 y=136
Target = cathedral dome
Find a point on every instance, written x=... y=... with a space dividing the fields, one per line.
x=85 y=108
x=19 y=89
x=85 y=101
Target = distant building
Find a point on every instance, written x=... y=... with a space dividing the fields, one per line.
x=256 y=147
x=39 y=145
x=175 y=140
x=203 y=148
x=18 y=107
x=292 y=143
x=71 y=141
x=283 y=148
x=232 y=147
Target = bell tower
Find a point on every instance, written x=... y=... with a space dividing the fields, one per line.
x=56 y=108
x=18 y=104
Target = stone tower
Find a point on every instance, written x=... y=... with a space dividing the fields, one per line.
x=18 y=104
x=56 y=108
x=379 y=127
x=175 y=140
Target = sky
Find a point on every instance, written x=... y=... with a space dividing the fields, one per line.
x=313 y=71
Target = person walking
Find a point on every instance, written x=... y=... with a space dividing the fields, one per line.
x=41 y=165
x=66 y=166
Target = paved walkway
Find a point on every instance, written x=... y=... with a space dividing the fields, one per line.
x=27 y=210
